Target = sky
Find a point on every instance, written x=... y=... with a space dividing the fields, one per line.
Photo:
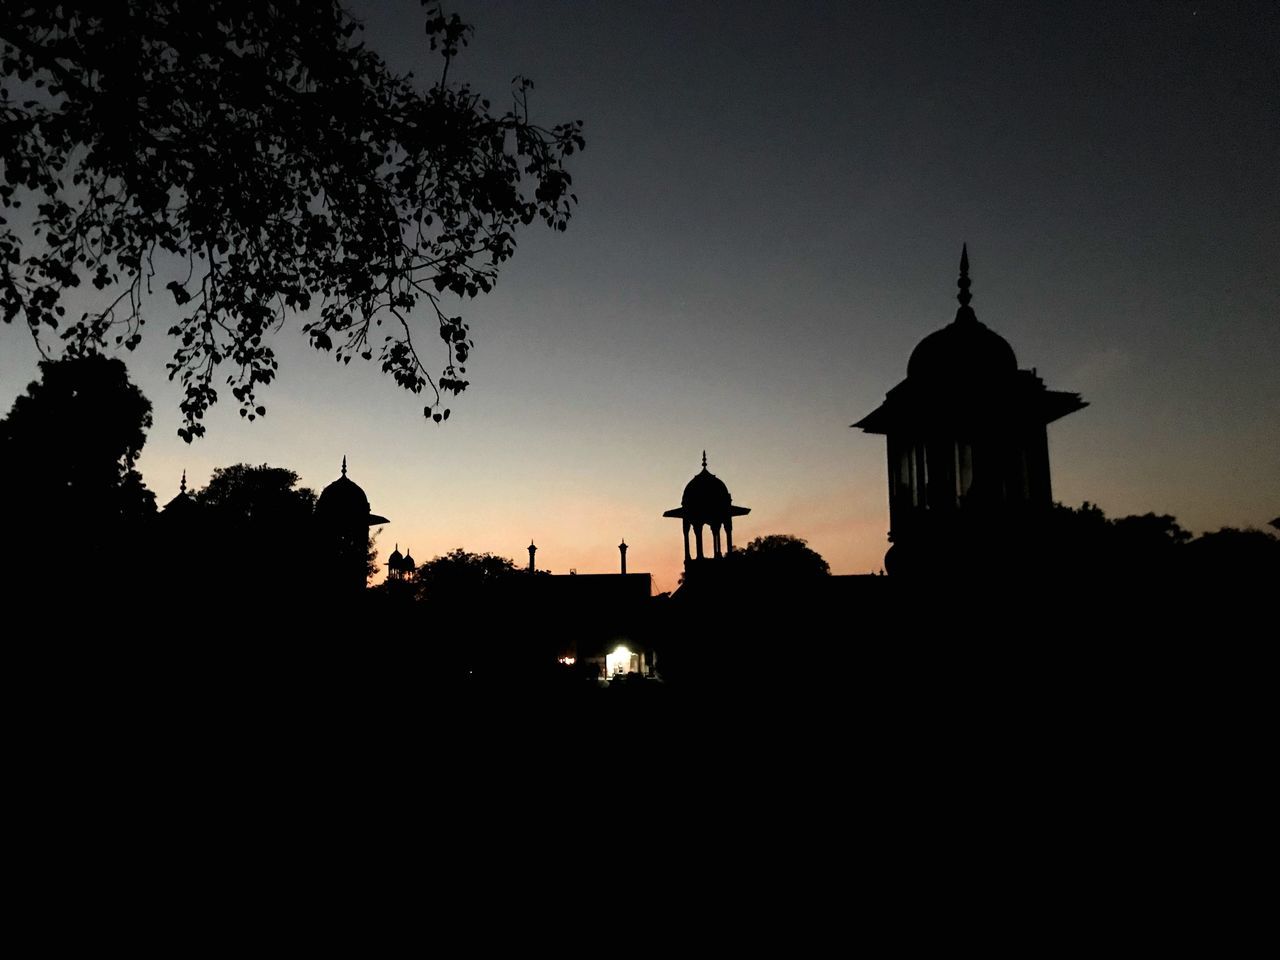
x=773 y=200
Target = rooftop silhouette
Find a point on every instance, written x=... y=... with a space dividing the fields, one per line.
x=967 y=449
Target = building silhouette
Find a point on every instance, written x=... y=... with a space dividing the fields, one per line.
x=706 y=503
x=342 y=522
x=968 y=452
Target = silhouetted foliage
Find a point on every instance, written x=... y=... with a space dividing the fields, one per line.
x=255 y=160
x=459 y=575
x=242 y=493
x=780 y=556
x=1237 y=554
x=371 y=563
x=1085 y=543
x=1149 y=531
x=69 y=445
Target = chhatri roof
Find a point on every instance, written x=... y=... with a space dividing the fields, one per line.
x=706 y=499
x=964 y=367
x=344 y=500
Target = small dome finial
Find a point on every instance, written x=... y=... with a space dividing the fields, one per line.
x=704 y=459
x=182 y=487
x=964 y=296
x=344 y=464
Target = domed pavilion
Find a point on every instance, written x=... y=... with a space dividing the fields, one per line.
x=342 y=520
x=967 y=447
x=706 y=503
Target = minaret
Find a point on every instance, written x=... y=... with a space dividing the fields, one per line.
x=622 y=549
x=532 y=551
x=182 y=487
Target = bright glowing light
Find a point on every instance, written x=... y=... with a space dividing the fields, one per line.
x=620 y=661
x=567 y=661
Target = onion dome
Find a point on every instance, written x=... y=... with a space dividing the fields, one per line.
x=706 y=493
x=965 y=349
x=407 y=564
x=343 y=501
x=396 y=559
x=706 y=499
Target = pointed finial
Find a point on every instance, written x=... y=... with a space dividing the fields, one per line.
x=964 y=296
x=182 y=487
x=344 y=464
x=704 y=459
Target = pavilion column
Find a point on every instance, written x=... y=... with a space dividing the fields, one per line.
x=686 y=541
x=728 y=535
x=697 y=532
x=715 y=540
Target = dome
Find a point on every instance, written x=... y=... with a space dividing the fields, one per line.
x=344 y=500
x=705 y=495
x=396 y=559
x=408 y=563
x=964 y=349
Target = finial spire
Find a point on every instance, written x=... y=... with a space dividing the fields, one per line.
x=964 y=296
x=704 y=459
x=344 y=464
x=182 y=487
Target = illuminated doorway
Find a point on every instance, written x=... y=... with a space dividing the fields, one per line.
x=621 y=661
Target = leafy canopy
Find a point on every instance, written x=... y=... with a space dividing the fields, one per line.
x=70 y=444
x=243 y=492
x=256 y=160
x=781 y=556
x=462 y=574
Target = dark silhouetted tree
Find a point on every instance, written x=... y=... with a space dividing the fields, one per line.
x=245 y=494
x=69 y=446
x=255 y=160
x=780 y=556
x=73 y=498
x=1232 y=554
x=1149 y=532
x=462 y=576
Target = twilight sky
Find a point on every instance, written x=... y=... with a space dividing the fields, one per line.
x=773 y=199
